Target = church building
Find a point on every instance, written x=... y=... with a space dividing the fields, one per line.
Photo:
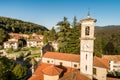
x=63 y=66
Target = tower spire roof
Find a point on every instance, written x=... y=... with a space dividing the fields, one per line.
x=88 y=13
x=88 y=17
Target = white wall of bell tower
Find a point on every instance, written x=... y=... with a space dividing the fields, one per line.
x=87 y=46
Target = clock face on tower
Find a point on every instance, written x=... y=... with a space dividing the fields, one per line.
x=86 y=46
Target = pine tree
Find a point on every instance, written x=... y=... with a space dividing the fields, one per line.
x=3 y=36
x=74 y=38
x=52 y=35
x=6 y=67
x=20 y=72
x=63 y=35
x=45 y=38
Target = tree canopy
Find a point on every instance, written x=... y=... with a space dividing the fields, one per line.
x=20 y=72
x=3 y=36
x=19 y=26
x=68 y=37
x=9 y=70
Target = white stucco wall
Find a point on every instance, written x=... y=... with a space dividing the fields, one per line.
x=101 y=73
x=64 y=63
x=47 y=77
x=87 y=23
x=6 y=45
x=87 y=47
x=13 y=45
x=31 y=44
x=115 y=66
x=86 y=66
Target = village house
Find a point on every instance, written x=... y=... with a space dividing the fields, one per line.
x=114 y=61
x=11 y=43
x=35 y=40
x=18 y=36
x=34 y=43
x=36 y=36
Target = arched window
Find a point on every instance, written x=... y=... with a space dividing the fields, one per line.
x=87 y=30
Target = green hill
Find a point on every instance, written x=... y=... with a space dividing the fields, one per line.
x=107 y=39
x=19 y=26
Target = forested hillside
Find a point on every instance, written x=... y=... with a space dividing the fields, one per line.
x=19 y=26
x=107 y=40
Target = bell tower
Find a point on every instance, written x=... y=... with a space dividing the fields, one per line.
x=87 y=45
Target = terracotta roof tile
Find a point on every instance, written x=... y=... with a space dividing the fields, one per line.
x=88 y=19
x=109 y=78
x=99 y=62
x=38 y=40
x=74 y=75
x=112 y=57
x=38 y=74
x=62 y=56
x=52 y=70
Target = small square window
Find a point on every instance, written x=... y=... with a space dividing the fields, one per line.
x=61 y=63
x=48 y=61
x=75 y=65
x=94 y=70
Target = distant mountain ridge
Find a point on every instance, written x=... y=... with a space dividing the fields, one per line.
x=107 y=39
x=17 y=26
x=108 y=27
x=112 y=29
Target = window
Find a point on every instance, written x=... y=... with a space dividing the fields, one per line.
x=75 y=65
x=61 y=63
x=86 y=56
x=86 y=67
x=48 y=61
x=87 y=30
x=94 y=70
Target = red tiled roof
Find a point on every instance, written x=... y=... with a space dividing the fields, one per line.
x=38 y=74
x=99 y=62
x=109 y=78
x=15 y=35
x=62 y=56
x=52 y=70
x=112 y=57
x=11 y=42
x=88 y=19
x=34 y=34
x=74 y=75
x=38 y=40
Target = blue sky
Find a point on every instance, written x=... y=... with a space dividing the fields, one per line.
x=49 y=12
